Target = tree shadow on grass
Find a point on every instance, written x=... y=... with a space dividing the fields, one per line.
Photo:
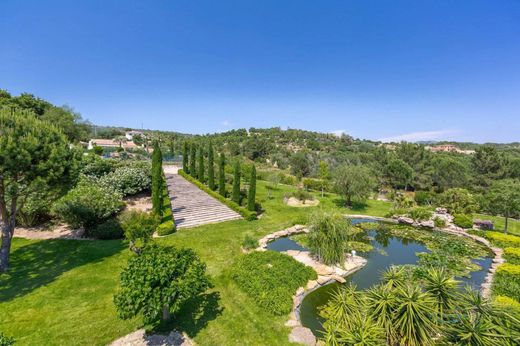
x=194 y=315
x=39 y=263
x=356 y=206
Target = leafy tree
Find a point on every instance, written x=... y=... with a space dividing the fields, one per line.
x=222 y=175
x=419 y=159
x=488 y=165
x=193 y=158
x=504 y=199
x=235 y=194
x=211 y=167
x=69 y=121
x=138 y=228
x=251 y=194
x=300 y=164
x=185 y=158
x=159 y=282
x=399 y=173
x=34 y=155
x=157 y=180
x=120 y=140
x=458 y=201
x=324 y=175
x=355 y=183
x=449 y=172
x=200 y=166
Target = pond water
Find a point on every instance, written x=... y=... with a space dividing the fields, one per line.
x=387 y=251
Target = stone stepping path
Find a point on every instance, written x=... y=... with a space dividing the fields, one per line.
x=193 y=207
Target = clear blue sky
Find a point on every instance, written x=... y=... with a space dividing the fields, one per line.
x=389 y=69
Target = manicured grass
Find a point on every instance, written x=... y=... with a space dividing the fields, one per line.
x=513 y=226
x=59 y=292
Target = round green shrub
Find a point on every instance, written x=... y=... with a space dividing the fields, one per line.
x=249 y=242
x=128 y=180
x=420 y=213
x=439 y=223
x=110 y=229
x=463 y=221
x=6 y=340
x=166 y=228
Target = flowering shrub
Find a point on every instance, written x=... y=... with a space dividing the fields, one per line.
x=128 y=180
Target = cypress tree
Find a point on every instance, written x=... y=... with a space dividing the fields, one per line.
x=222 y=175
x=200 y=174
x=157 y=180
x=251 y=195
x=185 y=157
x=211 y=169
x=193 y=154
x=235 y=194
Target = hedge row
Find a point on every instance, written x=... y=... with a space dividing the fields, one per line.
x=507 y=281
x=248 y=215
x=503 y=240
x=512 y=255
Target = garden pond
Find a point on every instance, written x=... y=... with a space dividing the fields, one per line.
x=388 y=250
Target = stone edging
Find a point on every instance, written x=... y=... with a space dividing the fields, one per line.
x=326 y=275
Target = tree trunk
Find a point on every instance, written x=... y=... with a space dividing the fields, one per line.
x=165 y=313
x=7 y=235
x=505 y=227
x=322 y=192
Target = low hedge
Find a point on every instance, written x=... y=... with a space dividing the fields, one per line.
x=248 y=215
x=271 y=279
x=507 y=281
x=512 y=255
x=502 y=240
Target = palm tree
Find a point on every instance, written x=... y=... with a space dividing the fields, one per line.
x=442 y=286
x=413 y=316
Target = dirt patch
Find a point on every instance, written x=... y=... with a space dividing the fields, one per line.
x=294 y=202
x=139 y=202
x=61 y=231
x=140 y=338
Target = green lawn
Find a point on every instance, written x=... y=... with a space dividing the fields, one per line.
x=513 y=226
x=59 y=292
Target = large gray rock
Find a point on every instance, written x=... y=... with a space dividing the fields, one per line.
x=405 y=220
x=303 y=336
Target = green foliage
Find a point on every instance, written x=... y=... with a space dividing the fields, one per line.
x=355 y=183
x=200 y=166
x=95 y=166
x=193 y=159
x=512 y=255
x=302 y=195
x=222 y=175
x=251 y=193
x=185 y=156
x=458 y=201
x=271 y=278
x=249 y=242
x=463 y=221
x=503 y=199
x=110 y=229
x=211 y=167
x=315 y=184
x=424 y=198
x=300 y=164
x=507 y=281
x=128 y=180
x=420 y=213
x=502 y=240
x=6 y=340
x=138 y=228
x=449 y=172
x=159 y=281
x=399 y=173
x=328 y=237
x=439 y=223
x=157 y=180
x=87 y=205
x=166 y=228
x=248 y=215
x=235 y=194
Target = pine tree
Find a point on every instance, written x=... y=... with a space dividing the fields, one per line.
x=185 y=157
x=211 y=169
x=157 y=181
x=200 y=174
x=251 y=196
x=222 y=175
x=235 y=195
x=193 y=158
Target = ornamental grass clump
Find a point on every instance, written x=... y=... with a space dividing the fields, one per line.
x=328 y=237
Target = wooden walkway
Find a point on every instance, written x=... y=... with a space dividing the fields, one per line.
x=193 y=207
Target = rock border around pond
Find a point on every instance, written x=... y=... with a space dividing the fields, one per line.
x=326 y=275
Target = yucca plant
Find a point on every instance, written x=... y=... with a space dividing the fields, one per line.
x=441 y=285
x=381 y=302
x=394 y=276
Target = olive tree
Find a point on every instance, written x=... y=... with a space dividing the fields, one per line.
x=354 y=183
x=34 y=155
x=503 y=199
x=159 y=281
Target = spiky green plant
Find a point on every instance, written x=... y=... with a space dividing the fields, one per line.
x=441 y=285
x=328 y=237
x=394 y=276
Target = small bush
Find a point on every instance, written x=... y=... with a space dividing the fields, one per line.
x=507 y=303
x=507 y=281
x=128 y=180
x=315 y=184
x=271 y=279
x=463 y=221
x=502 y=240
x=249 y=242
x=5 y=340
x=110 y=229
x=439 y=223
x=424 y=198
x=303 y=195
x=87 y=205
x=512 y=255
x=166 y=228
x=138 y=228
x=287 y=179
x=95 y=166
x=420 y=213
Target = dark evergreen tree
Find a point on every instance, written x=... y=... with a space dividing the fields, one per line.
x=200 y=174
x=211 y=169
x=251 y=196
x=185 y=157
x=157 y=180
x=235 y=195
x=222 y=175
x=193 y=158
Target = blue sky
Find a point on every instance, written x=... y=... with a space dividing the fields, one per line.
x=413 y=70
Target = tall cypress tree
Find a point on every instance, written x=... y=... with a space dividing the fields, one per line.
x=185 y=157
x=211 y=169
x=235 y=194
x=193 y=158
x=222 y=175
x=157 y=179
x=251 y=195
x=200 y=174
